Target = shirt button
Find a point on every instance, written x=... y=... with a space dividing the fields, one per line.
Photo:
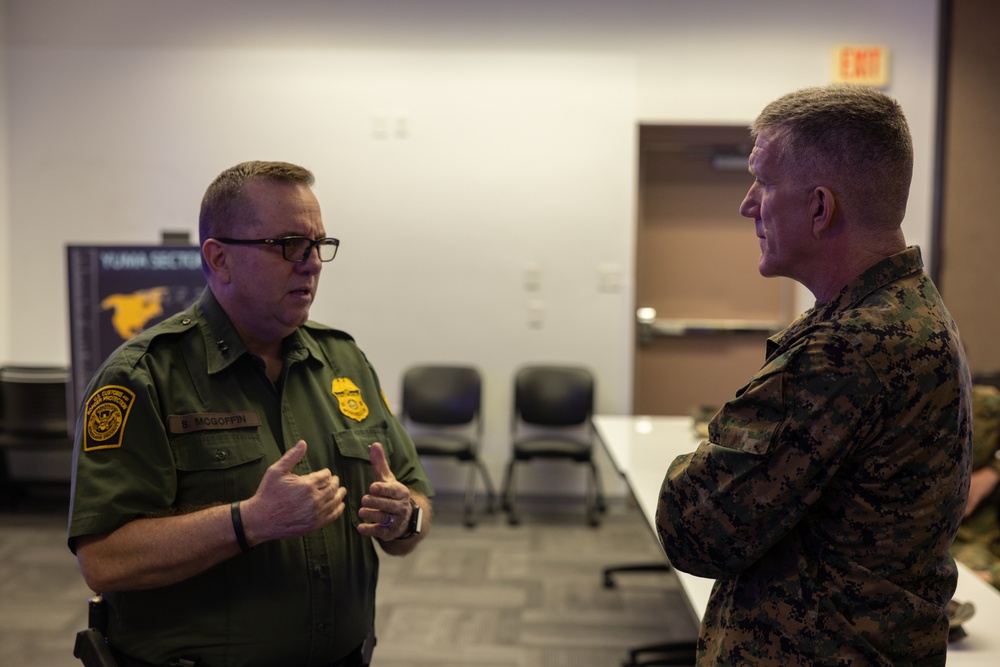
x=221 y=454
x=186 y=321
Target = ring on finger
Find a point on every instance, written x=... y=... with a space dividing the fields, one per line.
x=389 y=522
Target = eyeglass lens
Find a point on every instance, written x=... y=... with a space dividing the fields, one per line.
x=298 y=249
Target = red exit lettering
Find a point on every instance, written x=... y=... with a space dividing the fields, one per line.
x=860 y=64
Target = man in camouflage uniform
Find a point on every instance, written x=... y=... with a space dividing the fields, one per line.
x=830 y=488
x=978 y=542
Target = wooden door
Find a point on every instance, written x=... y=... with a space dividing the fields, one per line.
x=703 y=310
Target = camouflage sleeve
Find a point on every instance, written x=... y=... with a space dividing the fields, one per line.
x=986 y=426
x=772 y=450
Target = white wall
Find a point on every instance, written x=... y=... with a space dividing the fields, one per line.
x=520 y=128
x=5 y=266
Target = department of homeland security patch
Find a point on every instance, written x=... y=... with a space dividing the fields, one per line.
x=105 y=417
x=349 y=398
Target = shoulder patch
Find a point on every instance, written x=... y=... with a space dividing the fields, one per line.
x=104 y=420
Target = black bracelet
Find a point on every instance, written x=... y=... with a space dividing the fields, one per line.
x=241 y=537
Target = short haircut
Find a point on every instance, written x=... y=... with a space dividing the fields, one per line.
x=225 y=207
x=851 y=138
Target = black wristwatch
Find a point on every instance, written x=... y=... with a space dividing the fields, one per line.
x=416 y=521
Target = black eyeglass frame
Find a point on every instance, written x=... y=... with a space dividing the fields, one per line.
x=328 y=241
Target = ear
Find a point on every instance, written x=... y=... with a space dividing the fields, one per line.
x=217 y=258
x=822 y=206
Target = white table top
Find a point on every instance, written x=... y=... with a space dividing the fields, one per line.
x=642 y=449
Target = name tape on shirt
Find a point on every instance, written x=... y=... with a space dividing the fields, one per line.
x=214 y=421
x=105 y=417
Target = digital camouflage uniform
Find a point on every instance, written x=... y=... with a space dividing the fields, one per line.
x=978 y=542
x=831 y=486
x=181 y=417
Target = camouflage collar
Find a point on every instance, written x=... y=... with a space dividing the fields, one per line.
x=887 y=271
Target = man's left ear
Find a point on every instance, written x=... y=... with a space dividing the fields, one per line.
x=822 y=205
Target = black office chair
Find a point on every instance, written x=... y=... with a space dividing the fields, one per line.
x=553 y=406
x=441 y=409
x=676 y=653
x=33 y=414
x=662 y=653
x=609 y=572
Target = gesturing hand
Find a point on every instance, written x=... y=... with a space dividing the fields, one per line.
x=386 y=508
x=289 y=505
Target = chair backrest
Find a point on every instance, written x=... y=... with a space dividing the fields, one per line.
x=441 y=395
x=34 y=401
x=553 y=395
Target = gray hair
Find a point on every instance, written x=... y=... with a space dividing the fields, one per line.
x=853 y=138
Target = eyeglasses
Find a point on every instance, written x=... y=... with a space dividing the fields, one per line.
x=294 y=248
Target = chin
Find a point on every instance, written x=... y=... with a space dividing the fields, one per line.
x=293 y=320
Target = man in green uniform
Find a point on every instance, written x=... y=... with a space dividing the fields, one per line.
x=235 y=464
x=830 y=488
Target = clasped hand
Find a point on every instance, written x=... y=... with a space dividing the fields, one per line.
x=289 y=505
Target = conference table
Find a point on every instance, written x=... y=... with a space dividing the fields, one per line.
x=642 y=448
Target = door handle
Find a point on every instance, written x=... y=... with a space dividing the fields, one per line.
x=650 y=326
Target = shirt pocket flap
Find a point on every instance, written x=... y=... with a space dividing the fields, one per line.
x=354 y=443
x=216 y=451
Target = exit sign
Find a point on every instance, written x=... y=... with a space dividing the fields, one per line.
x=867 y=65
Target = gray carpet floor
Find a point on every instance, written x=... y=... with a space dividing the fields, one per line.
x=492 y=596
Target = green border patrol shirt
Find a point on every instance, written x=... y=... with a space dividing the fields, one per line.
x=830 y=488
x=183 y=416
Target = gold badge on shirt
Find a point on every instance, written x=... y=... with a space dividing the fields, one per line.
x=349 y=398
x=107 y=411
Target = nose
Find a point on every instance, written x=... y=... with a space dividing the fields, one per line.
x=749 y=207
x=312 y=262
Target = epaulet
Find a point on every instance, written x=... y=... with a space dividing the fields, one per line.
x=318 y=328
x=178 y=323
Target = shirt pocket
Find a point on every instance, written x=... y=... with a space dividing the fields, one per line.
x=217 y=466
x=354 y=462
